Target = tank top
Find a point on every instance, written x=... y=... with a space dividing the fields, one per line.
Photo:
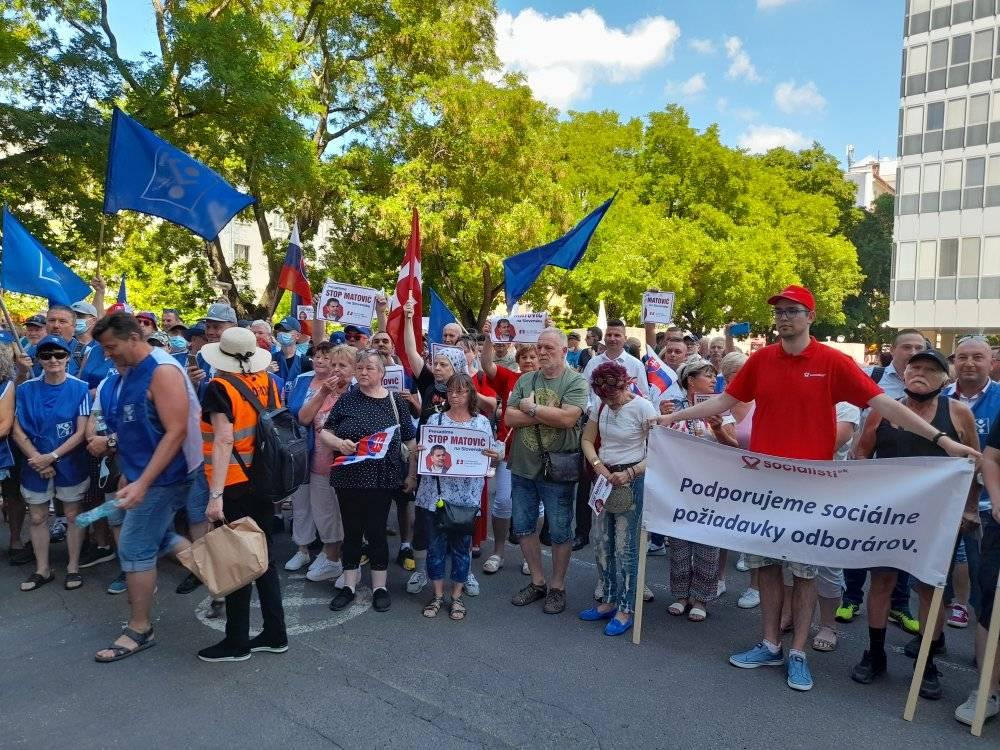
x=895 y=442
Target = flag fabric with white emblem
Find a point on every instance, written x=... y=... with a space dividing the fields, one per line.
x=659 y=374
x=372 y=447
x=30 y=268
x=409 y=282
x=147 y=174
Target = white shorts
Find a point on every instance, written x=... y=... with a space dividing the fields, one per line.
x=72 y=494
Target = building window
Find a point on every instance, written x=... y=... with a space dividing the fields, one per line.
x=979 y=111
x=961 y=11
x=993 y=182
x=906 y=260
x=941 y=14
x=961 y=48
x=975 y=176
x=968 y=283
x=995 y=118
x=916 y=68
x=241 y=253
x=934 y=128
x=930 y=195
x=990 y=287
x=937 y=78
x=982 y=56
x=948 y=261
x=954 y=124
x=951 y=186
x=985 y=8
x=909 y=201
x=920 y=16
x=913 y=131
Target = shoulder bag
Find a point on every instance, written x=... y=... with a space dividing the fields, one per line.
x=557 y=466
x=453 y=519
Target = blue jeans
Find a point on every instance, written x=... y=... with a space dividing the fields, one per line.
x=196 y=499
x=616 y=547
x=444 y=545
x=558 y=499
x=148 y=529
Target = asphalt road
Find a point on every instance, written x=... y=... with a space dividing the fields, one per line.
x=505 y=677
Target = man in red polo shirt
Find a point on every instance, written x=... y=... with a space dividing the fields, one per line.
x=796 y=385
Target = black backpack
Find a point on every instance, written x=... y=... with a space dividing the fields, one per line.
x=281 y=449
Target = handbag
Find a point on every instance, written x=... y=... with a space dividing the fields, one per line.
x=454 y=519
x=558 y=466
x=404 y=449
x=229 y=557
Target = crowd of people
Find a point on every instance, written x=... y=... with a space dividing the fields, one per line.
x=160 y=417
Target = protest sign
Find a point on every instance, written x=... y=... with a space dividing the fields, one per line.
x=657 y=307
x=453 y=451
x=898 y=513
x=519 y=329
x=305 y=312
x=347 y=304
x=393 y=379
x=600 y=491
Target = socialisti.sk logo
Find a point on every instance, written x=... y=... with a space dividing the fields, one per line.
x=751 y=462
x=756 y=464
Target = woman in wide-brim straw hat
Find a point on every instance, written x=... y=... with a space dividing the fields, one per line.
x=237 y=352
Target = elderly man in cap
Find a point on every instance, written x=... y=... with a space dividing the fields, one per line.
x=220 y=317
x=291 y=363
x=357 y=336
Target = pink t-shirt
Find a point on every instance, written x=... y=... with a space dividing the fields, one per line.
x=322 y=456
x=744 y=426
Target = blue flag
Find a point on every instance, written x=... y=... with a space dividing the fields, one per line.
x=147 y=174
x=440 y=317
x=521 y=270
x=30 y=268
x=122 y=292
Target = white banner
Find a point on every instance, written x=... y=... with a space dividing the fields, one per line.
x=900 y=513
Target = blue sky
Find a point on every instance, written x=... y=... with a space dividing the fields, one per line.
x=770 y=72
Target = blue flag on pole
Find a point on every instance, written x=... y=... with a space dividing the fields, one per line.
x=30 y=268
x=521 y=270
x=122 y=292
x=440 y=317
x=147 y=174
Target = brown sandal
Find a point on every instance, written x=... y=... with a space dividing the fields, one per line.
x=457 y=610
x=433 y=606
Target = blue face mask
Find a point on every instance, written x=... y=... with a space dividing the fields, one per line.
x=81 y=327
x=284 y=338
x=178 y=342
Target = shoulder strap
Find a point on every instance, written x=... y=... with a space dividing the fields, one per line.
x=395 y=410
x=876 y=374
x=249 y=395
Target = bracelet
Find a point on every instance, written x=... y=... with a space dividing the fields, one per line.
x=596 y=461
x=938 y=437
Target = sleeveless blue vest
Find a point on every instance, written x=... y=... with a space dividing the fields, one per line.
x=48 y=415
x=986 y=410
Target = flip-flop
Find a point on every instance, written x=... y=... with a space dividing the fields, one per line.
x=37 y=581
x=142 y=641
x=72 y=581
x=825 y=644
x=697 y=614
x=678 y=608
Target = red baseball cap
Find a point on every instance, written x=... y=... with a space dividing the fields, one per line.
x=796 y=294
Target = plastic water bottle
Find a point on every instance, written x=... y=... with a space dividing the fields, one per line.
x=104 y=510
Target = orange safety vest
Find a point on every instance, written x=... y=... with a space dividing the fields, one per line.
x=244 y=425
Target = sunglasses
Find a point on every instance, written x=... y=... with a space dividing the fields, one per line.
x=46 y=356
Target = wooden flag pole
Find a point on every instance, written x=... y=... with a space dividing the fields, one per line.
x=986 y=668
x=10 y=326
x=100 y=243
x=925 y=651
x=640 y=586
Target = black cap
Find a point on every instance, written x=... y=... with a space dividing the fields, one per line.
x=934 y=356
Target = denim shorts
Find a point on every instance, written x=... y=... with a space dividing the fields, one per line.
x=148 y=529
x=196 y=500
x=558 y=499
x=799 y=570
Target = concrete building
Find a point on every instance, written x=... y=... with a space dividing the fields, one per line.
x=946 y=254
x=873 y=177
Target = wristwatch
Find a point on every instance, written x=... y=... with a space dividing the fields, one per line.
x=596 y=461
x=215 y=495
x=55 y=456
x=112 y=441
x=533 y=411
x=938 y=437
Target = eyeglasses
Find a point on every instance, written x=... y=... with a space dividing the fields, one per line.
x=788 y=312
x=46 y=356
x=144 y=322
x=353 y=337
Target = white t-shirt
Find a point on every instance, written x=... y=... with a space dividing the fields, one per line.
x=623 y=440
x=633 y=367
x=847 y=412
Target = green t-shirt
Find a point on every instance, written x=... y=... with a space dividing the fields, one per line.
x=569 y=389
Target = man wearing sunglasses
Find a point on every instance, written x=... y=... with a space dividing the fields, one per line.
x=357 y=336
x=796 y=384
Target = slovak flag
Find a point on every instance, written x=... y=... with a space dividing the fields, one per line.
x=658 y=373
x=409 y=282
x=293 y=278
x=372 y=447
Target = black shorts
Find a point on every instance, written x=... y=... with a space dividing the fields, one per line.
x=989 y=567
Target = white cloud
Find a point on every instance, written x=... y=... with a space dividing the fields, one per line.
x=739 y=61
x=770 y=4
x=798 y=99
x=760 y=138
x=702 y=46
x=691 y=87
x=563 y=56
x=746 y=113
x=722 y=104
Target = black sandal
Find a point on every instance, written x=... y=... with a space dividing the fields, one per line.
x=73 y=578
x=37 y=581
x=142 y=641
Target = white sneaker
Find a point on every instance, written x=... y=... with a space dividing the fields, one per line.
x=656 y=550
x=417 y=582
x=493 y=564
x=298 y=561
x=329 y=569
x=749 y=599
x=967 y=711
x=741 y=563
x=471 y=585
x=720 y=589
x=647 y=594
x=319 y=560
x=525 y=571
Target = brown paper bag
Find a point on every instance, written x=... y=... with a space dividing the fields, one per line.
x=229 y=557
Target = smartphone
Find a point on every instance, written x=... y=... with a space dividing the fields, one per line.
x=739 y=329
x=192 y=360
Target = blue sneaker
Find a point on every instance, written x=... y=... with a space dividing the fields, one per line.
x=758 y=656
x=799 y=676
x=119 y=585
x=594 y=614
x=617 y=627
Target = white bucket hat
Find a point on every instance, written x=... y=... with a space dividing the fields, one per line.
x=237 y=351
